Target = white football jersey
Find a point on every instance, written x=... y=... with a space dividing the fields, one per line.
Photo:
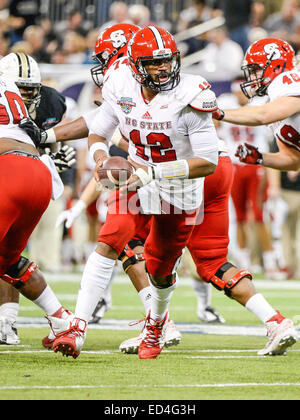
x=288 y=130
x=163 y=130
x=234 y=135
x=12 y=111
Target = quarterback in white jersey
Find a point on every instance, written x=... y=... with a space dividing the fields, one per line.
x=269 y=67
x=167 y=121
x=163 y=130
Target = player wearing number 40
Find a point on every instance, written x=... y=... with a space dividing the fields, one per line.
x=270 y=70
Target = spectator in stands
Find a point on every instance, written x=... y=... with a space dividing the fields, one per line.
x=28 y=11
x=35 y=36
x=22 y=47
x=75 y=47
x=192 y=16
x=285 y=24
x=8 y=23
x=239 y=15
x=91 y=42
x=59 y=57
x=118 y=13
x=51 y=40
x=216 y=64
x=140 y=15
x=3 y=46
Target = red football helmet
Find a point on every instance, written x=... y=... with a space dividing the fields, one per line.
x=153 y=45
x=264 y=61
x=110 y=46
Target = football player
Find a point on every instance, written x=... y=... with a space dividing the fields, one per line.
x=270 y=71
x=28 y=183
x=169 y=142
x=110 y=46
x=46 y=108
x=249 y=183
x=214 y=267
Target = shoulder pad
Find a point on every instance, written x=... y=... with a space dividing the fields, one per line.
x=205 y=101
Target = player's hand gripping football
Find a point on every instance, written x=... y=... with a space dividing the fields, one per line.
x=249 y=154
x=37 y=135
x=63 y=159
x=134 y=182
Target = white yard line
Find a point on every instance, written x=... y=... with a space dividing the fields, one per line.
x=186 y=328
x=106 y=386
x=175 y=351
x=123 y=279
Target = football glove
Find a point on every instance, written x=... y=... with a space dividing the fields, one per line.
x=69 y=216
x=249 y=154
x=218 y=114
x=63 y=159
x=37 y=135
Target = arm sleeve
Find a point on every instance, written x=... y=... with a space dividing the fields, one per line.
x=89 y=117
x=105 y=122
x=202 y=134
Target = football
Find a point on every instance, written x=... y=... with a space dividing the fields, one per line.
x=114 y=172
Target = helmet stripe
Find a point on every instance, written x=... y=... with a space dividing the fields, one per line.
x=158 y=37
x=23 y=65
x=20 y=64
x=28 y=63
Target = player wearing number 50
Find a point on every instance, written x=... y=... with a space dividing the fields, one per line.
x=269 y=67
x=166 y=117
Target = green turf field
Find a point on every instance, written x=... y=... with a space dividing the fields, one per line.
x=210 y=363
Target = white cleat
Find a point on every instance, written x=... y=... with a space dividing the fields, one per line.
x=210 y=315
x=172 y=335
x=102 y=307
x=172 y=338
x=57 y=323
x=70 y=341
x=281 y=336
x=8 y=332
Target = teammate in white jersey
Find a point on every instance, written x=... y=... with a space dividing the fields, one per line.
x=269 y=67
x=26 y=188
x=249 y=183
x=173 y=143
x=270 y=70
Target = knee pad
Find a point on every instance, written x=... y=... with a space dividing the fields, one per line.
x=13 y=277
x=129 y=258
x=220 y=284
x=163 y=282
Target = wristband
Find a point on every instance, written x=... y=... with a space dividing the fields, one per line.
x=98 y=146
x=145 y=177
x=116 y=138
x=51 y=136
x=79 y=207
x=177 y=169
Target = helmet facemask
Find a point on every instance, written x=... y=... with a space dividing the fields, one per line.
x=154 y=82
x=258 y=78
x=31 y=95
x=103 y=59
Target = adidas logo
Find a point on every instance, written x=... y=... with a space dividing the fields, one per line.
x=147 y=116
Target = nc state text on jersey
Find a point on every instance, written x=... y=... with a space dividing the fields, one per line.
x=148 y=125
